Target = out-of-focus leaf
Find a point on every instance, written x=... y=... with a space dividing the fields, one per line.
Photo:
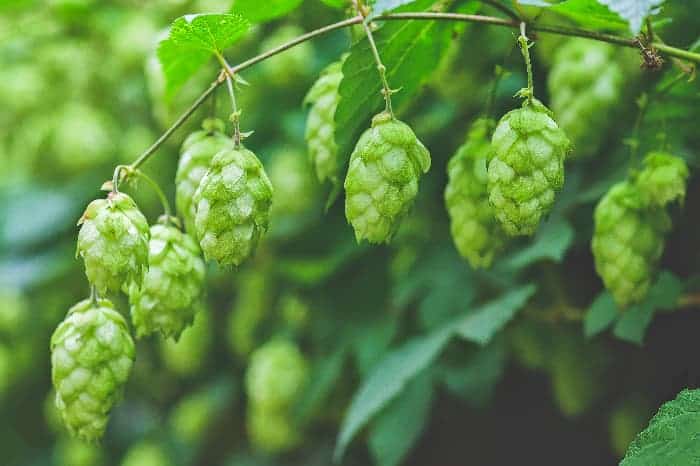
x=387 y=380
x=28 y=271
x=400 y=424
x=382 y=6
x=600 y=316
x=324 y=374
x=372 y=341
x=591 y=14
x=672 y=435
x=336 y=3
x=256 y=11
x=311 y=271
x=192 y=40
x=474 y=381
x=551 y=242
x=634 y=11
x=666 y=291
x=482 y=324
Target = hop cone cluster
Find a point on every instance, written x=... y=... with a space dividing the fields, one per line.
x=320 y=125
x=382 y=179
x=475 y=230
x=526 y=168
x=586 y=85
x=91 y=357
x=232 y=206
x=172 y=289
x=663 y=178
x=196 y=154
x=113 y=242
x=627 y=242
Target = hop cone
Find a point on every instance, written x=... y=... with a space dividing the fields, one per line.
x=113 y=242
x=91 y=357
x=172 y=289
x=270 y=430
x=526 y=168
x=320 y=125
x=586 y=85
x=188 y=355
x=146 y=453
x=232 y=204
x=276 y=375
x=254 y=291
x=663 y=178
x=294 y=183
x=475 y=230
x=627 y=242
x=382 y=179
x=196 y=154
x=286 y=68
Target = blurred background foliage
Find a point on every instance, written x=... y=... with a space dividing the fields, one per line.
x=81 y=90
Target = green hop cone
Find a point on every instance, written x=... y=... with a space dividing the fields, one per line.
x=113 y=242
x=294 y=183
x=91 y=357
x=271 y=431
x=382 y=179
x=628 y=241
x=147 y=453
x=196 y=154
x=663 y=179
x=232 y=206
x=188 y=355
x=586 y=85
x=172 y=289
x=320 y=124
x=276 y=374
x=475 y=230
x=254 y=291
x=526 y=168
x=73 y=452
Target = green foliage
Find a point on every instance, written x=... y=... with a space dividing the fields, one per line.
x=259 y=12
x=187 y=356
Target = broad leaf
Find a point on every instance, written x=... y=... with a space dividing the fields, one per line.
x=474 y=380
x=601 y=315
x=192 y=40
x=383 y=6
x=256 y=11
x=590 y=14
x=324 y=374
x=634 y=11
x=482 y=324
x=400 y=424
x=672 y=435
x=551 y=242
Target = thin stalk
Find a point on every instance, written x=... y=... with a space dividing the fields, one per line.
x=525 y=49
x=156 y=188
x=386 y=90
x=235 y=116
x=93 y=295
x=503 y=9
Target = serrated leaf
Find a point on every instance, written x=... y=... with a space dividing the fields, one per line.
x=601 y=315
x=634 y=11
x=672 y=435
x=387 y=380
x=551 y=242
x=591 y=14
x=191 y=41
x=480 y=325
x=410 y=50
x=400 y=424
x=257 y=12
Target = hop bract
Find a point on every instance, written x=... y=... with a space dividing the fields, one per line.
x=475 y=230
x=172 y=289
x=113 y=242
x=382 y=179
x=320 y=125
x=663 y=178
x=232 y=206
x=586 y=85
x=91 y=357
x=628 y=241
x=196 y=154
x=276 y=374
x=526 y=168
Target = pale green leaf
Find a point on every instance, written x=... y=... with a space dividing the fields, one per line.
x=634 y=11
x=590 y=14
x=551 y=242
x=256 y=11
x=672 y=435
x=382 y=6
x=601 y=315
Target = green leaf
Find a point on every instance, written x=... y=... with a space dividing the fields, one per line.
x=482 y=324
x=551 y=242
x=336 y=3
x=600 y=316
x=672 y=435
x=324 y=374
x=634 y=11
x=591 y=14
x=257 y=12
x=192 y=40
x=666 y=291
x=383 y=6
x=387 y=380
x=410 y=50
x=400 y=424
x=474 y=380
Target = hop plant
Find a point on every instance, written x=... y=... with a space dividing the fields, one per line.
x=113 y=242
x=382 y=179
x=475 y=230
x=586 y=85
x=74 y=452
x=91 y=357
x=276 y=374
x=270 y=430
x=320 y=125
x=187 y=355
x=628 y=241
x=172 y=289
x=663 y=178
x=232 y=206
x=286 y=68
x=255 y=288
x=196 y=154
x=146 y=453
x=294 y=184
x=526 y=167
